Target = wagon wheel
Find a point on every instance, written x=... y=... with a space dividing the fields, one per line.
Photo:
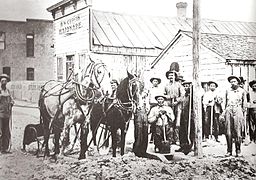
x=103 y=140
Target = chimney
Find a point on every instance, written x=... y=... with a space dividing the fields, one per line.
x=181 y=9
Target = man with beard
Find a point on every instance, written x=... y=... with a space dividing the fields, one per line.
x=6 y=103
x=175 y=93
x=187 y=133
x=235 y=105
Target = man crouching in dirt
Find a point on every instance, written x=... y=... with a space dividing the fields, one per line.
x=163 y=116
x=235 y=105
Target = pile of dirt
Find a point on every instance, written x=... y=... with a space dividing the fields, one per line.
x=132 y=167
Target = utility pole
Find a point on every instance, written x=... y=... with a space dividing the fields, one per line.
x=197 y=105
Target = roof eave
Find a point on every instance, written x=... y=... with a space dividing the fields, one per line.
x=55 y=6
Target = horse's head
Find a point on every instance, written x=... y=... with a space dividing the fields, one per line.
x=127 y=91
x=97 y=76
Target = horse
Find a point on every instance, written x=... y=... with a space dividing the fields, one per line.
x=117 y=114
x=64 y=104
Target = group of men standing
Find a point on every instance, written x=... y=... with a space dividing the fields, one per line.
x=171 y=111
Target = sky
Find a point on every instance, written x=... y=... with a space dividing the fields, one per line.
x=226 y=10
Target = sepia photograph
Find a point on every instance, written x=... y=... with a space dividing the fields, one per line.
x=118 y=89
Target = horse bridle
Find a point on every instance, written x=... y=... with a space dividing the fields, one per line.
x=129 y=106
x=91 y=72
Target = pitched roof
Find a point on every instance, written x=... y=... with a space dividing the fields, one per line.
x=236 y=47
x=230 y=47
x=123 y=30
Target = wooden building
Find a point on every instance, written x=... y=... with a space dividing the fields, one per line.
x=122 y=41
x=221 y=55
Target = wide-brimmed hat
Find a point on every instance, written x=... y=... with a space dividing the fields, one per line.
x=169 y=72
x=4 y=76
x=186 y=82
x=158 y=79
x=160 y=95
x=233 y=77
x=252 y=83
x=212 y=82
x=180 y=78
x=114 y=81
x=242 y=80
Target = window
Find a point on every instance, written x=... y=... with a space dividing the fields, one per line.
x=7 y=70
x=30 y=74
x=82 y=60
x=69 y=66
x=59 y=68
x=30 y=45
x=2 y=40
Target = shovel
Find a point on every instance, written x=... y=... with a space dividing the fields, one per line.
x=165 y=147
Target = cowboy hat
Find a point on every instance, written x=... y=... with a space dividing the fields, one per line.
x=252 y=83
x=158 y=79
x=212 y=82
x=4 y=76
x=186 y=82
x=163 y=96
x=114 y=81
x=169 y=72
x=233 y=77
x=180 y=78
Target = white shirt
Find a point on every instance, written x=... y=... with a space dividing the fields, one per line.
x=154 y=112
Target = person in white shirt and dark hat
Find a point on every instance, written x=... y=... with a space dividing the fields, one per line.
x=212 y=107
x=154 y=90
x=235 y=103
x=163 y=117
x=6 y=103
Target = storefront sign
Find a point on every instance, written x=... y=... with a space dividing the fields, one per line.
x=70 y=25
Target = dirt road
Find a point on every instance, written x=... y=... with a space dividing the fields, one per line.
x=19 y=165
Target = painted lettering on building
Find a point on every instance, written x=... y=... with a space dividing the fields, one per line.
x=70 y=25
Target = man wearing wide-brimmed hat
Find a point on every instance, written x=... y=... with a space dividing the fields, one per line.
x=161 y=115
x=175 y=93
x=6 y=103
x=213 y=109
x=154 y=90
x=252 y=111
x=235 y=105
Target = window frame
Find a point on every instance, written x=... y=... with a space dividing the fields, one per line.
x=29 y=72
x=30 y=49
x=4 y=39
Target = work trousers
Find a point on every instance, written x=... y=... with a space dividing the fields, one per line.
x=215 y=123
x=233 y=126
x=5 y=134
x=159 y=135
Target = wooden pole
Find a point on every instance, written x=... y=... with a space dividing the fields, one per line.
x=197 y=105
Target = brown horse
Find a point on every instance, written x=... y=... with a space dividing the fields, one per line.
x=64 y=104
x=117 y=114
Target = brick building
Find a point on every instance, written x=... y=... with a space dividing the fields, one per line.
x=27 y=55
x=26 y=49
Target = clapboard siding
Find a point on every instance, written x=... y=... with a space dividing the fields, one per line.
x=212 y=67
